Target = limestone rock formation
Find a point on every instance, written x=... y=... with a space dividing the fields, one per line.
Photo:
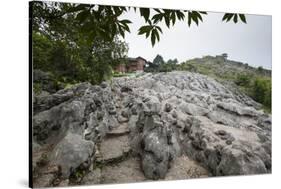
x=173 y=125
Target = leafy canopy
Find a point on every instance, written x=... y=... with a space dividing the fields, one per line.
x=104 y=21
x=64 y=47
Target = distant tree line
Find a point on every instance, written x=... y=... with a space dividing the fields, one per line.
x=159 y=65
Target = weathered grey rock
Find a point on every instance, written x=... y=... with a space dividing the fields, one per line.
x=112 y=110
x=64 y=183
x=126 y=89
x=125 y=113
x=152 y=105
x=239 y=161
x=44 y=181
x=44 y=102
x=122 y=119
x=226 y=150
x=159 y=147
x=113 y=149
x=103 y=84
x=93 y=177
x=71 y=152
x=168 y=107
x=59 y=119
x=235 y=108
x=112 y=122
x=206 y=117
x=120 y=130
x=173 y=121
x=192 y=109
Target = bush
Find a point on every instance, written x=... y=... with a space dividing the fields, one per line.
x=188 y=67
x=37 y=88
x=243 y=80
x=262 y=91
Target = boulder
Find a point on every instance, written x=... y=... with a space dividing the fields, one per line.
x=159 y=147
x=56 y=121
x=71 y=152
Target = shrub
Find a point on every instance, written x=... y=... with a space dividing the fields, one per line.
x=243 y=80
x=37 y=88
x=262 y=91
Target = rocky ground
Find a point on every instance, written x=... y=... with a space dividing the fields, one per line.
x=165 y=126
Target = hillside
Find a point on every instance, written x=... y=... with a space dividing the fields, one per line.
x=174 y=125
x=255 y=82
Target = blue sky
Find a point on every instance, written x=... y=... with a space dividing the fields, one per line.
x=249 y=43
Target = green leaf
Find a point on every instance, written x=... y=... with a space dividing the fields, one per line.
x=147 y=34
x=225 y=16
x=125 y=24
x=198 y=15
x=156 y=34
x=125 y=21
x=77 y=8
x=144 y=29
x=141 y=32
x=229 y=17
x=145 y=13
x=180 y=15
x=243 y=18
x=117 y=11
x=194 y=17
x=126 y=27
x=157 y=17
x=153 y=37
x=157 y=27
x=202 y=12
x=189 y=18
x=157 y=10
x=173 y=17
x=121 y=31
x=235 y=19
x=167 y=21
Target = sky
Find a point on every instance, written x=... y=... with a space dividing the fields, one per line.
x=249 y=43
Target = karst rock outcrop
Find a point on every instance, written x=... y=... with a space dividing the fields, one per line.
x=173 y=125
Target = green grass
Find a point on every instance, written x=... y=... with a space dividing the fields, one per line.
x=124 y=74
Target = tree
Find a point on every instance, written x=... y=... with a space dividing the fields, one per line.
x=62 y=47
x=170 y=61
x=171 y=64
x=262 y=91
x=104 y=21
x=158 y=60
x=260 y=69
